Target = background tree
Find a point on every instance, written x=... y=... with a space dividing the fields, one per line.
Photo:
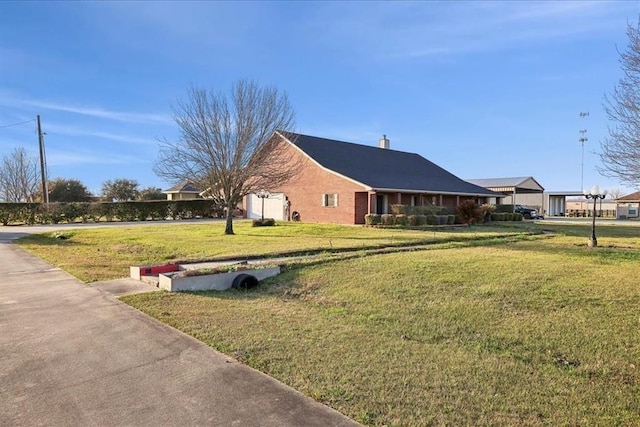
x=19 y=177
x=616 y=193
x=120 y=190
x=621 y=150
x=152 y=193
x=226 y=145
x=68 y=190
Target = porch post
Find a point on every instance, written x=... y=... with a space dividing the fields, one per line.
x=373 y=204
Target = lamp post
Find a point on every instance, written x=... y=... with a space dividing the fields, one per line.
x=263 y=194
x=596 y=195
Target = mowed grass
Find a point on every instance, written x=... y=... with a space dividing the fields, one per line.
x=539 y=330
x=93 y=254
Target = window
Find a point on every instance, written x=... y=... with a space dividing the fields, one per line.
x=330 y=200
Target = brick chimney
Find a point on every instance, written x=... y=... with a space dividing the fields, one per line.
x=384 y=142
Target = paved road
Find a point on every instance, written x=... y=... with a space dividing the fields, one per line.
x=73 y=355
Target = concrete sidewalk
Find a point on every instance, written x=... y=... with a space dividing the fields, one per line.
x=71 y=354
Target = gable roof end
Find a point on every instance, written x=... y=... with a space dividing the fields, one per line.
x=520 y=182
x=633 y=197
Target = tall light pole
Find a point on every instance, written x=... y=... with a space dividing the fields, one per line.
x=594 y=194
x=582 y=140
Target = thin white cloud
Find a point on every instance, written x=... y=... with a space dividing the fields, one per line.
x=57 y=158
x=121 y=116
x=426 y=29
x=10 y=99
x=53 y=128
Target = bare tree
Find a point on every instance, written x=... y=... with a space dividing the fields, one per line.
x=19 y=176
x=616 y=193
x=227 y=144
x=621 y=150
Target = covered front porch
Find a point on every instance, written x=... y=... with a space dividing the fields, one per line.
x=380 y=202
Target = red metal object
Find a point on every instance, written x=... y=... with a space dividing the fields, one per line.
x=157 y=269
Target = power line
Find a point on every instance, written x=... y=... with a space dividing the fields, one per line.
x=16 y=124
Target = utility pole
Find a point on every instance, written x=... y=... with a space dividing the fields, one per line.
x=582 y=140
x=43 y=163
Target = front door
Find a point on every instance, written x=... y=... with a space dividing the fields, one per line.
x=381 y=204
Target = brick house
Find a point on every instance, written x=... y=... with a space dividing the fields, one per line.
x=183 y=191
x=341 y=182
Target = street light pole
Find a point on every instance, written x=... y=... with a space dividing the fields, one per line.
x=263 y=194
x=594 y=194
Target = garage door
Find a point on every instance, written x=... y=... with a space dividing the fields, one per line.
x=273 y=206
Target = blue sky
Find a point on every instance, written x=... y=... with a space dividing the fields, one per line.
x=484 y=89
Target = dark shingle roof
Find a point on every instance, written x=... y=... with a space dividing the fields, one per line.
x=183 y=187
x=381 y=168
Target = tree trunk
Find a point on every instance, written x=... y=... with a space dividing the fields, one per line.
x=229 y=227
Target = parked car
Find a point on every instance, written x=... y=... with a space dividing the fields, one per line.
x=527 y=213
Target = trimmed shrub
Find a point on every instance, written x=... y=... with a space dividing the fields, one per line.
x=509 y=216
x=387 y=219
x=52 y=214
x=267 y=222
x=442 y=219
x=418 y=210
x=401 y=219
x=517 y=216
x=413 y=220
x=432 y=220
x=18 y=212
x=504 y=208
x=372 y=219
x=451 y=219
x=5 y=217
x=422 y=219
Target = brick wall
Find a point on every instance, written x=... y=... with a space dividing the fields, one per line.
x=306 y=189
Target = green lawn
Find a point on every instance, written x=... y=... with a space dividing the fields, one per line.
x=93 y=254
x=535 y=329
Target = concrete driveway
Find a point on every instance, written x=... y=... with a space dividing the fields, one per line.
x=71 y=354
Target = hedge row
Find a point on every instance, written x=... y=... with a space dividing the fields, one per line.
x=505 y=209
x=409 y=220
x=506 y=216
x=418 y=210
x=54 y=213
x=419 y=220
